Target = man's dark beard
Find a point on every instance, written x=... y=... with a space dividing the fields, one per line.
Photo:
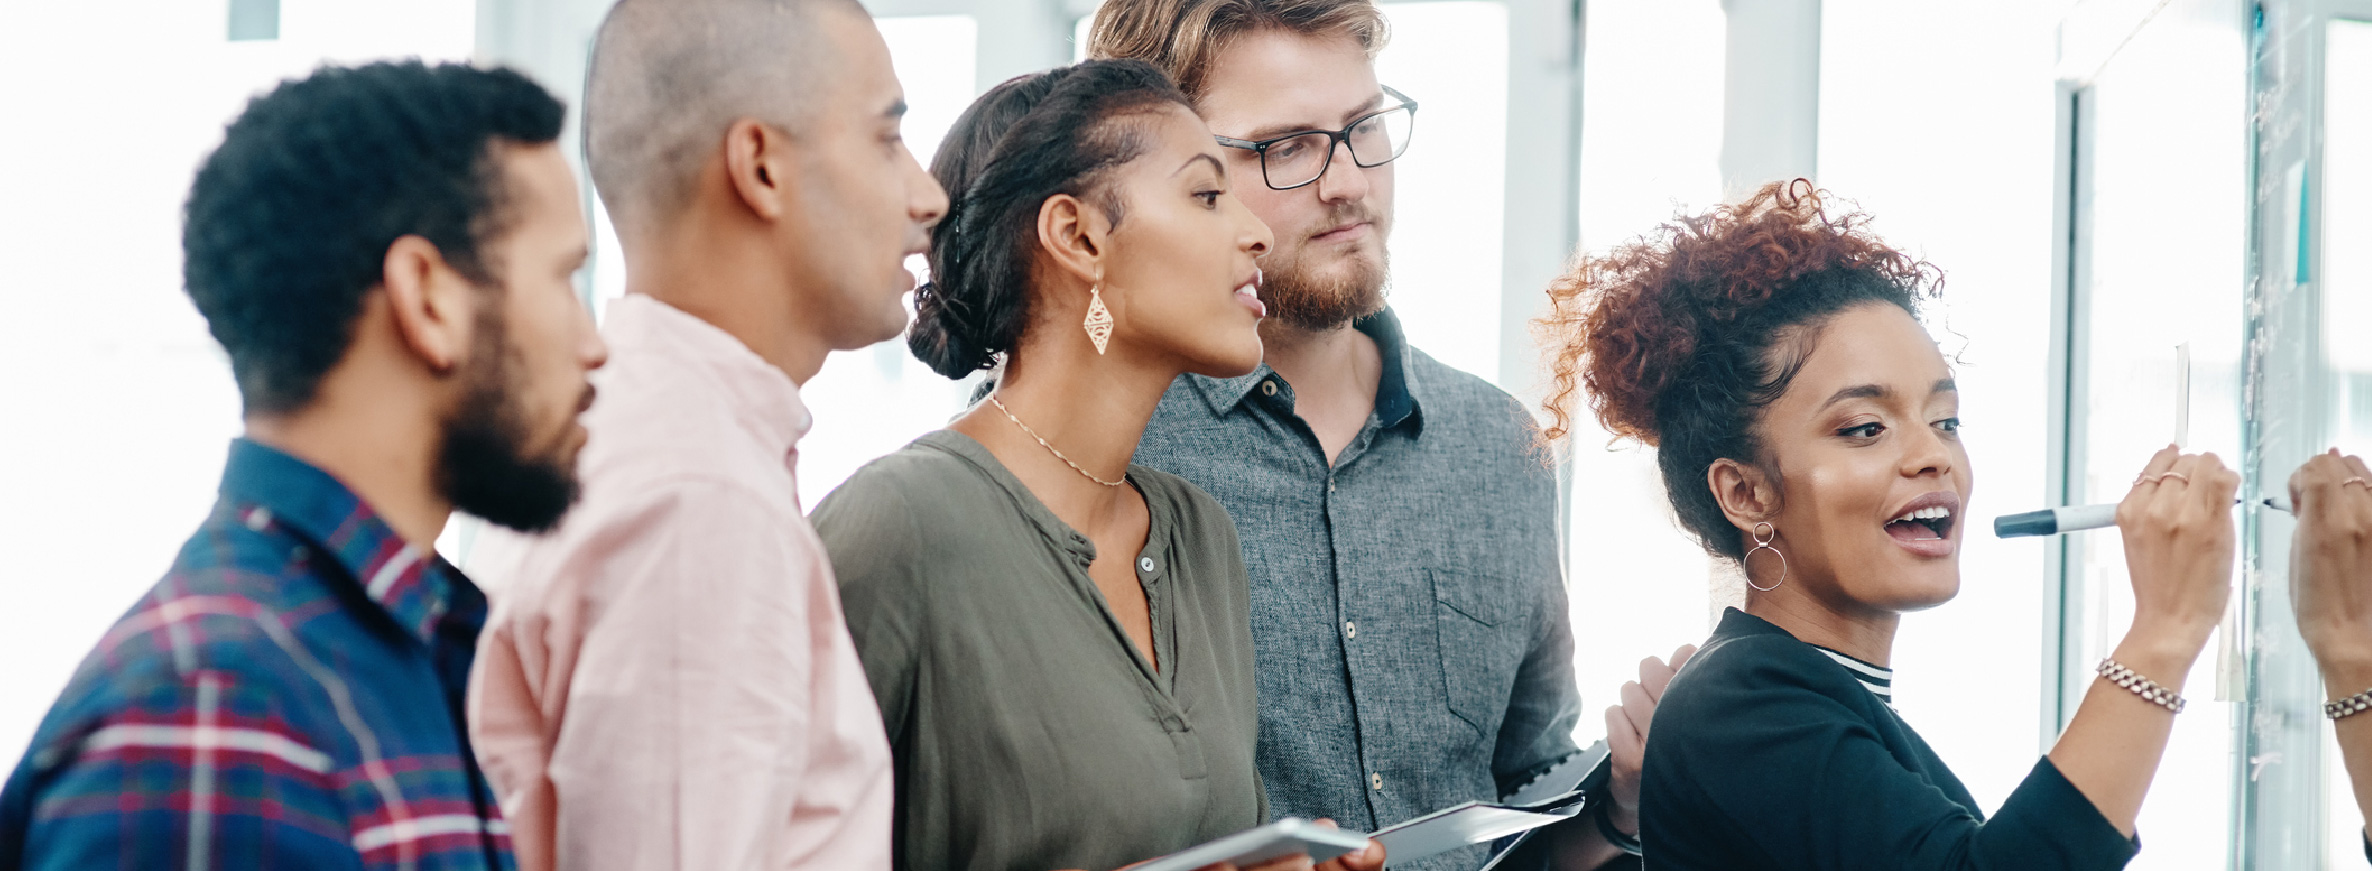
x=483 y=466
x=1305 y=302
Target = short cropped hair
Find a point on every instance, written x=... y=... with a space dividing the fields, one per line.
x=288 y=223
x=668 y=77
x=1183 y=37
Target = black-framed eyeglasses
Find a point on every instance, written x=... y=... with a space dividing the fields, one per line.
x=1296 y=159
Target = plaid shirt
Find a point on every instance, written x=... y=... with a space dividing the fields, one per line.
x=289 y=696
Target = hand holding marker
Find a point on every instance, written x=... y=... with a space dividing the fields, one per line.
x=2075 y=518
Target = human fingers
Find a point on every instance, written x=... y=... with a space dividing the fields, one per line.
x=2298 y=478
x=1637 y=707
x=1627 y=754
x=2145 y=486
x=2213 y=484
x=1367 y=858
x=1623 y=741
x=2173 y=500
x=2178 y=478
x=1295 y=862
x=1654 y=675
x=2317 y=480
x=2345 y=491
x=2194 y=505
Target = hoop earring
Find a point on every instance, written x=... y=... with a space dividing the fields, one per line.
x=1763 y=533
x=1099 y=319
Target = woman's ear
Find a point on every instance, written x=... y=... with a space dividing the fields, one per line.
x=1747 y=495
x=1072 y=234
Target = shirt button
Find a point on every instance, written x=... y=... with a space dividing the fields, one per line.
x=1145 y=564
x=259 y=518
x=1376 y=780
x=1330 y=483
x=1268 y=388
x=1350 y=629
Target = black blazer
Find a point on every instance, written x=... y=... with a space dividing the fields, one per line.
x=1766 y=754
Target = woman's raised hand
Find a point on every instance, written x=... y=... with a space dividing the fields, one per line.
x=2331 y=561
x=2177 y=526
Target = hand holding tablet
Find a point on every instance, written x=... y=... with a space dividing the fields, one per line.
x=1285 y=838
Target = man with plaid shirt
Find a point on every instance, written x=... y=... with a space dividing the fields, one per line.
x=385 y=254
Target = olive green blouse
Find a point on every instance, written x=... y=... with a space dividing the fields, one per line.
x=1028 y=732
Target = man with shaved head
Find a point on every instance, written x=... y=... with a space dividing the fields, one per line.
x=666 y=681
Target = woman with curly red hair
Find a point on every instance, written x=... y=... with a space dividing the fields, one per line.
x=1806 y=427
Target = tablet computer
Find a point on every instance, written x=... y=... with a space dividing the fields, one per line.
x=1276 y=840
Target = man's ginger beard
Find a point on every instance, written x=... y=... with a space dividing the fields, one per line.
x=1301 y=298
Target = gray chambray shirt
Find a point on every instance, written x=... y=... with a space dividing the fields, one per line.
x=1410 y=638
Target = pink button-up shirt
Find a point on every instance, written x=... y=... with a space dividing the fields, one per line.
x=666 y=682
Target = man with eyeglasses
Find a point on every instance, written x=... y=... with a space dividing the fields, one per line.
x=1413 y=648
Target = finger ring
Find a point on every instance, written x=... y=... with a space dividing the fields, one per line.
x=2144 y=478
x=2358 y=481
x=2186 y=478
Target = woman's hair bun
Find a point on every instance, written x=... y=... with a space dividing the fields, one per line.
x=1026 y=140
x=1680 y=338
x=1628 y=327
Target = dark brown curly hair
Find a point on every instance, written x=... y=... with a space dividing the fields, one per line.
x=1682 y=337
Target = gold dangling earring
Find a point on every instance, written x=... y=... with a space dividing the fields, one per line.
x=1763 y=533
x=1099 y=319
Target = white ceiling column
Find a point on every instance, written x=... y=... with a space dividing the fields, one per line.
x=1771 y=101
x=1543 y=178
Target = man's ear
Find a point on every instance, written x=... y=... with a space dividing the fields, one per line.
x=1073 y=235
x=758 y=164
x=1747 y=495
x=432 y=306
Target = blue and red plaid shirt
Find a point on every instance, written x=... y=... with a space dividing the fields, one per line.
x=289 y=696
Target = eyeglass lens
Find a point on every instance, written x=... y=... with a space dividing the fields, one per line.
x=1374 y=142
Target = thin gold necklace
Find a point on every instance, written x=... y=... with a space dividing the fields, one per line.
x=992 y=400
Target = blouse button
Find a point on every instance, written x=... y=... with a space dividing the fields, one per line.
x=1350 y=629
x=1268 y=388
x=1376 y=780
x=1145 y=564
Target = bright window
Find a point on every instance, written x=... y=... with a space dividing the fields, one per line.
x=1650 y=148
x=1451 y=57
x=119 y=405
x=2160 y=263
x=870 y=402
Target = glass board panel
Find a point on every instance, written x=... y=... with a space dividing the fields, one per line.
x=2161 y=259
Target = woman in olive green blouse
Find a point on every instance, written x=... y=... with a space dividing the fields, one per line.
x=1058 y=640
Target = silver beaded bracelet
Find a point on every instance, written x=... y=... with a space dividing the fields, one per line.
x=2348 y=707
x=2116 y=672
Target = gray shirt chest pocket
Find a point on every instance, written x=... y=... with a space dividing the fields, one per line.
x=1483 y=622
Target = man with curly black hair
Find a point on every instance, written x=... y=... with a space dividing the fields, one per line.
x=385 y=253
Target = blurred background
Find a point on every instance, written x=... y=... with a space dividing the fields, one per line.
x=2100 y=180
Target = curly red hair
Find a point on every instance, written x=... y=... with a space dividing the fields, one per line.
x=1679 y=338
